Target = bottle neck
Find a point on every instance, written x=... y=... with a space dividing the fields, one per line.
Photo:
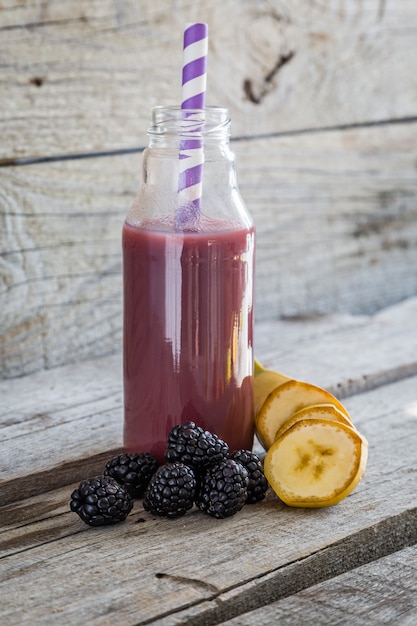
x=173 y=126
x=176 y=134
x=178 y=180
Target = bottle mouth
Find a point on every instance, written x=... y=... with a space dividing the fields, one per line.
x=173 y=120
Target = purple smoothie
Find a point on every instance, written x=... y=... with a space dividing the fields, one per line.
x=188 y=330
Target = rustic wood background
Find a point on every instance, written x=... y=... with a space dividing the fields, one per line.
x=323 y=99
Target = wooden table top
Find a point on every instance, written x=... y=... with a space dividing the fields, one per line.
x=348 y=564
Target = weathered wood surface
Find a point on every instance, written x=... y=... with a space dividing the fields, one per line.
x=335 y=210
x=198 y=570
x=382 y=592
x=58 y=427
x=80 y=75
x=79 y=408
x=344 y=353
x=336 y=217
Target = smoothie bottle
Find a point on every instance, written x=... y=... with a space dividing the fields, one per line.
x=188 y=294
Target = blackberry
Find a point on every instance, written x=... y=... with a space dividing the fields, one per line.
x=171 y=490
x=194 y=446
x=100 y=501
x=258 y=485
x=133 y=471
x=224 y=489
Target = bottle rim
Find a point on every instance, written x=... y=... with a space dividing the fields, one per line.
x=173 y=120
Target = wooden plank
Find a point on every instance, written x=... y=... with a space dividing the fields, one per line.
x=80 y=76
x=340 y=232
x=336 y=218
x=61 y=261
x=344 y=353
x=74 y=414
x=382 y=592
x=190 y=571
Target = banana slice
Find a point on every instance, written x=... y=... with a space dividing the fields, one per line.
x=316 y=411
x=316 y=463
x=265 y=381
x=284 y=401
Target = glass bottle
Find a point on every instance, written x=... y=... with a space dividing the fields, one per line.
x=188 y=293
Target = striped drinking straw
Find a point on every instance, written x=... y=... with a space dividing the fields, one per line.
x=194 y=80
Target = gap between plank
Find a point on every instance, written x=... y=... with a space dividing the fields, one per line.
x=55 y=477
x=9 y=162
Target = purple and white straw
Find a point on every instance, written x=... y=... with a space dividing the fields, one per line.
x=194 y=80
x=194 y=70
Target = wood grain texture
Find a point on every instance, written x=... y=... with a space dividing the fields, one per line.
x=336 y=218
x=61 y=261
x=59 y=425
x=80 y=76
x=344 y=353
x=335 y=212
x=191 y=571
x=382 y=592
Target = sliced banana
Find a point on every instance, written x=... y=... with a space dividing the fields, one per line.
x=284 y=401
x=316 y=463
x=315 y=411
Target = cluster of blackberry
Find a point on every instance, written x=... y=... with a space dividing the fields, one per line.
x=198 y=470
x=108 y=499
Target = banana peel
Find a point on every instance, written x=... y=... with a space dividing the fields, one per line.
x=266 y=380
